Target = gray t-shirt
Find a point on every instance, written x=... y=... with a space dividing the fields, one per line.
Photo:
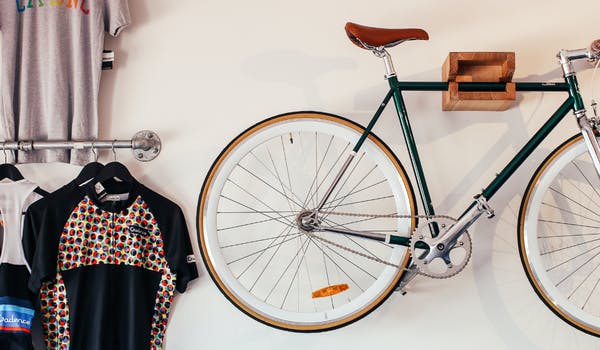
x=50 y=71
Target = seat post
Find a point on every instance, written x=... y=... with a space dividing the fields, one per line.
x=387 y=60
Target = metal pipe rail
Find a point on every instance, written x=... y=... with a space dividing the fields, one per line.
x=145 y=145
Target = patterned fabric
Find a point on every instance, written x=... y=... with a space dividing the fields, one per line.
x=107 y=265
x=55 y=313
x=92 y=236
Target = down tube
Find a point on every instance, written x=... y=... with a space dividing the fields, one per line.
x=533 y=143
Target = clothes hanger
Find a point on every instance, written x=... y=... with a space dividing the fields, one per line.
x=90 y=170
x=11 y=172
x=114 y=169
x=8 y=170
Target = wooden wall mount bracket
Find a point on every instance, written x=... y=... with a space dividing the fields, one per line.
x=491 y=67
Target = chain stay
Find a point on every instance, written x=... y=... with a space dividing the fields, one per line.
x=373 y=258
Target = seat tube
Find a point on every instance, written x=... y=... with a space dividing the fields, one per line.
x=411 y=147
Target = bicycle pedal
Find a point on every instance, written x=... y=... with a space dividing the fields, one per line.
x=409 y=275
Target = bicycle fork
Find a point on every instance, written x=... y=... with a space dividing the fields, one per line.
x=587 y=128
x=589 y=131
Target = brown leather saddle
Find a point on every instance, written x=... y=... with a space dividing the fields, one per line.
x=371 y=38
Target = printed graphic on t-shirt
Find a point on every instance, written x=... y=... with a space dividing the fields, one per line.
x=77 y=5
x=15 y=315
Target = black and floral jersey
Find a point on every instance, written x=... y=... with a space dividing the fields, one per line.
x=106 y=266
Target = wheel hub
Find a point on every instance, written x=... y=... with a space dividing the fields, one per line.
x=308 y=220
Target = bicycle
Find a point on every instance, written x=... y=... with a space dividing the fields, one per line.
x=307 y=221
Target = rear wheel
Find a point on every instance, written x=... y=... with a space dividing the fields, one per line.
x=249 y=236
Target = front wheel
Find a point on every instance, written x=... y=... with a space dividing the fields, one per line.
x=559 y=235
x=248 y=214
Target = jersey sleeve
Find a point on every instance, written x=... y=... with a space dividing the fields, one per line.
x=42 y=228
x=116 y=16
x=178 y=251
x=30 y=232
x=175 y=236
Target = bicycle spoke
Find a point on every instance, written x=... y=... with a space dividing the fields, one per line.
x=287 y=168
x=348 y=176
x=573 y=258
x=569 y=212
x=262 y=250
x=330 y=170
x=568 y=223
x=260 y=201
x=276 y=176
x=571 y=235
x=364 y=201
x=256 y=211
x=588 y=181
x=330 y=208
x=252 y=223
x=582 y=282
x=325 y=255
x=354 y=192
x=569 y=247
x=268 y=185
x=287 y=268
x=574 y=201
x=293 y=277
x=577 y=269
x=352 y=263
x=265 y=267
x=257 y=240
x=335 y=225
x=591 y=293
x=315 y=180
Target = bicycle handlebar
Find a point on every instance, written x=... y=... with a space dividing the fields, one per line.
x=595 y=49
x=567 y=56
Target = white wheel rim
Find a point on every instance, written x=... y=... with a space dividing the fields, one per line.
x=544 y=280
x=238 y=291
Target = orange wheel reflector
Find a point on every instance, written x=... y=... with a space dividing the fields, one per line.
x=330 y=290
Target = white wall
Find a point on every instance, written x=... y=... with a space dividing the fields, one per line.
x=199 y=72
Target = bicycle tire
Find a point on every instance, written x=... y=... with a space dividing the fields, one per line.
x=213 y=209
x=557 y=217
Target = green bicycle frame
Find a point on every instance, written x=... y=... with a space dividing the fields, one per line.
x=573 y=102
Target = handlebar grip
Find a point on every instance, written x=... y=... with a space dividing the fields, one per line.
x=595 y=48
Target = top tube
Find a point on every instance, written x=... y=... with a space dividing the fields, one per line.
x=443 y=86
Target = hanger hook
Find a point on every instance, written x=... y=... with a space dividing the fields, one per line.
x=94 y=151
x=113 y=150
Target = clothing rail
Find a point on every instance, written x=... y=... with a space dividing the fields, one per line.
x=145 y=145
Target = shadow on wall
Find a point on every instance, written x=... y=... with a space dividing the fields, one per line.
x=281 y=67
x=508 y=300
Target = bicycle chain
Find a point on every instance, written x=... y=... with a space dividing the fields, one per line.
x=373 y=258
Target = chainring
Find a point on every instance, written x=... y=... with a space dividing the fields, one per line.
x=433 y=262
